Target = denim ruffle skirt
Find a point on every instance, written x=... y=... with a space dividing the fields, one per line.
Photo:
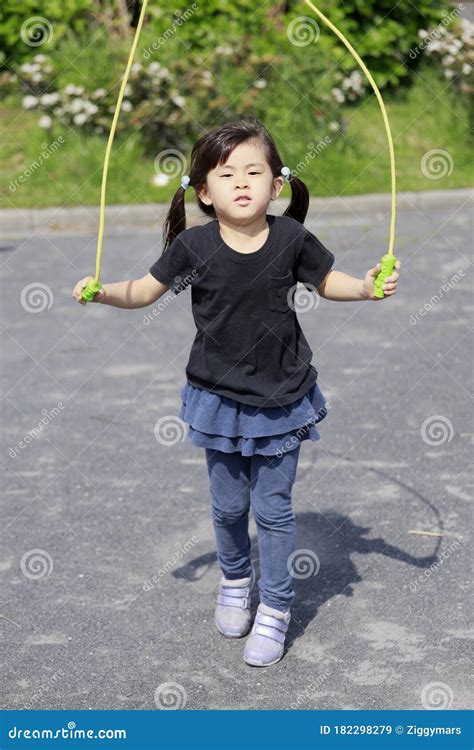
x=222 y=424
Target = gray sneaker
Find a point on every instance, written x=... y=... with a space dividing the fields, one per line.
x=266 y=642
x=232 y=616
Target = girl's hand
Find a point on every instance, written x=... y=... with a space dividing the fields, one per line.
x=389 y=285
x=77 y=291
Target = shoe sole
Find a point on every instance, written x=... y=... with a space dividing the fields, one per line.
x=262 y=663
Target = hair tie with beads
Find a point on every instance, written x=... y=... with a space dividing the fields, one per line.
x=185 y=181
x=286 y=172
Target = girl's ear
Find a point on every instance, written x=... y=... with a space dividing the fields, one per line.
x=278 y=183
x=203 y=195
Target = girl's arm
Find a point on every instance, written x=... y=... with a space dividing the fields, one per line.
x=341 y=287
x=129 y=294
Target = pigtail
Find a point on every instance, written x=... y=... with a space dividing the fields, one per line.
x=175 y=221
x=299 y=204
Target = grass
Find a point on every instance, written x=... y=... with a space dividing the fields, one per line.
x=427 y=116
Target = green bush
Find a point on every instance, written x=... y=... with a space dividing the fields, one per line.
x=29 y=24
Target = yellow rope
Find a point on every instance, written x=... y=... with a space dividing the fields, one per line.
x=384 y=115
x=111 y=138
x=118 y=106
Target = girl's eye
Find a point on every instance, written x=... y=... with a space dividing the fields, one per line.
x=229 y=175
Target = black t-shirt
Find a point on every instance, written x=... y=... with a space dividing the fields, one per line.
x=249 y=345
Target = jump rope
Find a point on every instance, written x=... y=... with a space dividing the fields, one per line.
x=387 y=262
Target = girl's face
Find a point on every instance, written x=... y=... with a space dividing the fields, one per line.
x=246 y=173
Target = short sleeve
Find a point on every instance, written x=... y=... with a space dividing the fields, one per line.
x=313 y=261
x=173 y=267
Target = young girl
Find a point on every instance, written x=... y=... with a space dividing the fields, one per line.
x=250 y=396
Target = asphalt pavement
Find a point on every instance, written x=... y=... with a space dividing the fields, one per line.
x=108 y=564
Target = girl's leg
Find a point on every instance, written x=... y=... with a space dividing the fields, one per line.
x=229 y=475
x=272 y=480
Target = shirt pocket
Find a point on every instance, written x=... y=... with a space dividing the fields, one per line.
x=278 y=288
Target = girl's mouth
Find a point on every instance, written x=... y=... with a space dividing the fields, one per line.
x=243 y=200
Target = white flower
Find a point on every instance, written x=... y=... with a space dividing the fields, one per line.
x=224 y=50
x=160 y=180
x=99 y=93
x=338 y=95
x=333 y=125
x=136 y=68
x=36 y=77
x=127 y=106
x=422 y=33
x=77 y=105
x=260 y=83
x=49 y=99
x=448 y=60
x=45 y=122
x=466 y=69
x=39 y=58
x=449 y=73
x=73 y=90
x=29 y=102
x=80 y=118
x=27 y=68
x=180 y=101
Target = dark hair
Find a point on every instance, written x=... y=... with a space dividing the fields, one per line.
x=213 y=148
